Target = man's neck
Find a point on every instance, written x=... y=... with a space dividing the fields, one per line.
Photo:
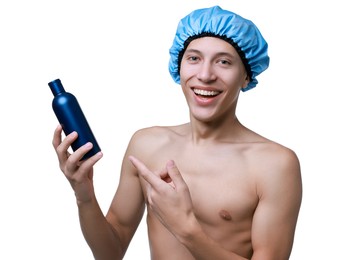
x=225 y=130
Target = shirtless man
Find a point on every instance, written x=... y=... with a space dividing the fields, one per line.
x=213 y=189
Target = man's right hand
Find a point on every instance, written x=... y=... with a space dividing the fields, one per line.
x=79 y=173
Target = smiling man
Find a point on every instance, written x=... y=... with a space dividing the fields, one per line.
x=213 y=188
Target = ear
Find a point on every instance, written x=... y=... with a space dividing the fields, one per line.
x=245 y=82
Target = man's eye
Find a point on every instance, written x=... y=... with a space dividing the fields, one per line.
x=193 y=58
x=224 y=62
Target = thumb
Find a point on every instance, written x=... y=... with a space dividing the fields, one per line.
x=175 y=175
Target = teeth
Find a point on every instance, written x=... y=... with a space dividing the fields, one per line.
x=205 y=92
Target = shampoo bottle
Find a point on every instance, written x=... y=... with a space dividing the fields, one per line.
x=71 y=117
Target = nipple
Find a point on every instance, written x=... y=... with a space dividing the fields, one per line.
x=225 y=215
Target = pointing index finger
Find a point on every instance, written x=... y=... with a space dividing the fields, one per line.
x=143 y=170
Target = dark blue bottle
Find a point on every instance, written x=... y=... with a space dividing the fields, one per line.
x=71 y=117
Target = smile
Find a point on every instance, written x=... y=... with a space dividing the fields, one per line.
x=206 y=93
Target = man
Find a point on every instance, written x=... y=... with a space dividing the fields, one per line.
x=213 y=189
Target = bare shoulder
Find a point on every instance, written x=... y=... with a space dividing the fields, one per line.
x=279 y=155
x=266 y=152
x=278 y=167
x=151 y=140
x=156 y=133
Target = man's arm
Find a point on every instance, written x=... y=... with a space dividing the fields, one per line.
x=109 y=237
x=127 y=207
x=279 y=188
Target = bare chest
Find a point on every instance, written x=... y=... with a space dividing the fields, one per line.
x=222 y=186
x=221 y=193
x=220 y=179
x=224 y=201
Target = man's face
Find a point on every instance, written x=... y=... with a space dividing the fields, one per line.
x=212 y=75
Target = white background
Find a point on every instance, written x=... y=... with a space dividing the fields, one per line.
x=113 y=56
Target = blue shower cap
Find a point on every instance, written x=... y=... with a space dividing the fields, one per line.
x=241 y=33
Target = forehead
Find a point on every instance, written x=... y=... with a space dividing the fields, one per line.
x=211 y=45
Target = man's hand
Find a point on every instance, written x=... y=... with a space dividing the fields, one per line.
x=79 y=173
x=168 y=195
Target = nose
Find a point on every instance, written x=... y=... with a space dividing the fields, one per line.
x=206 y=72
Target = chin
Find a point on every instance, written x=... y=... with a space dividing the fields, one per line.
x=203 y=116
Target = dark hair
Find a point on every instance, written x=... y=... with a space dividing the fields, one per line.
x=222 y=37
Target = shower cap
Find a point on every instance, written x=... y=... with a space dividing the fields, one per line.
x=241 y=33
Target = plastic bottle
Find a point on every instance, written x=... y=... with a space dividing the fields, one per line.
x=71 y=117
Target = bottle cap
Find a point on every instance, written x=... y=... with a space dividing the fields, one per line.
x=56 y=87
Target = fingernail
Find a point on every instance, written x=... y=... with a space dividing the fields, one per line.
x=170 y=163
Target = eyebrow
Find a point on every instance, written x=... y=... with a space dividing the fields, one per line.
x=222 y=53
x=192 y=50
